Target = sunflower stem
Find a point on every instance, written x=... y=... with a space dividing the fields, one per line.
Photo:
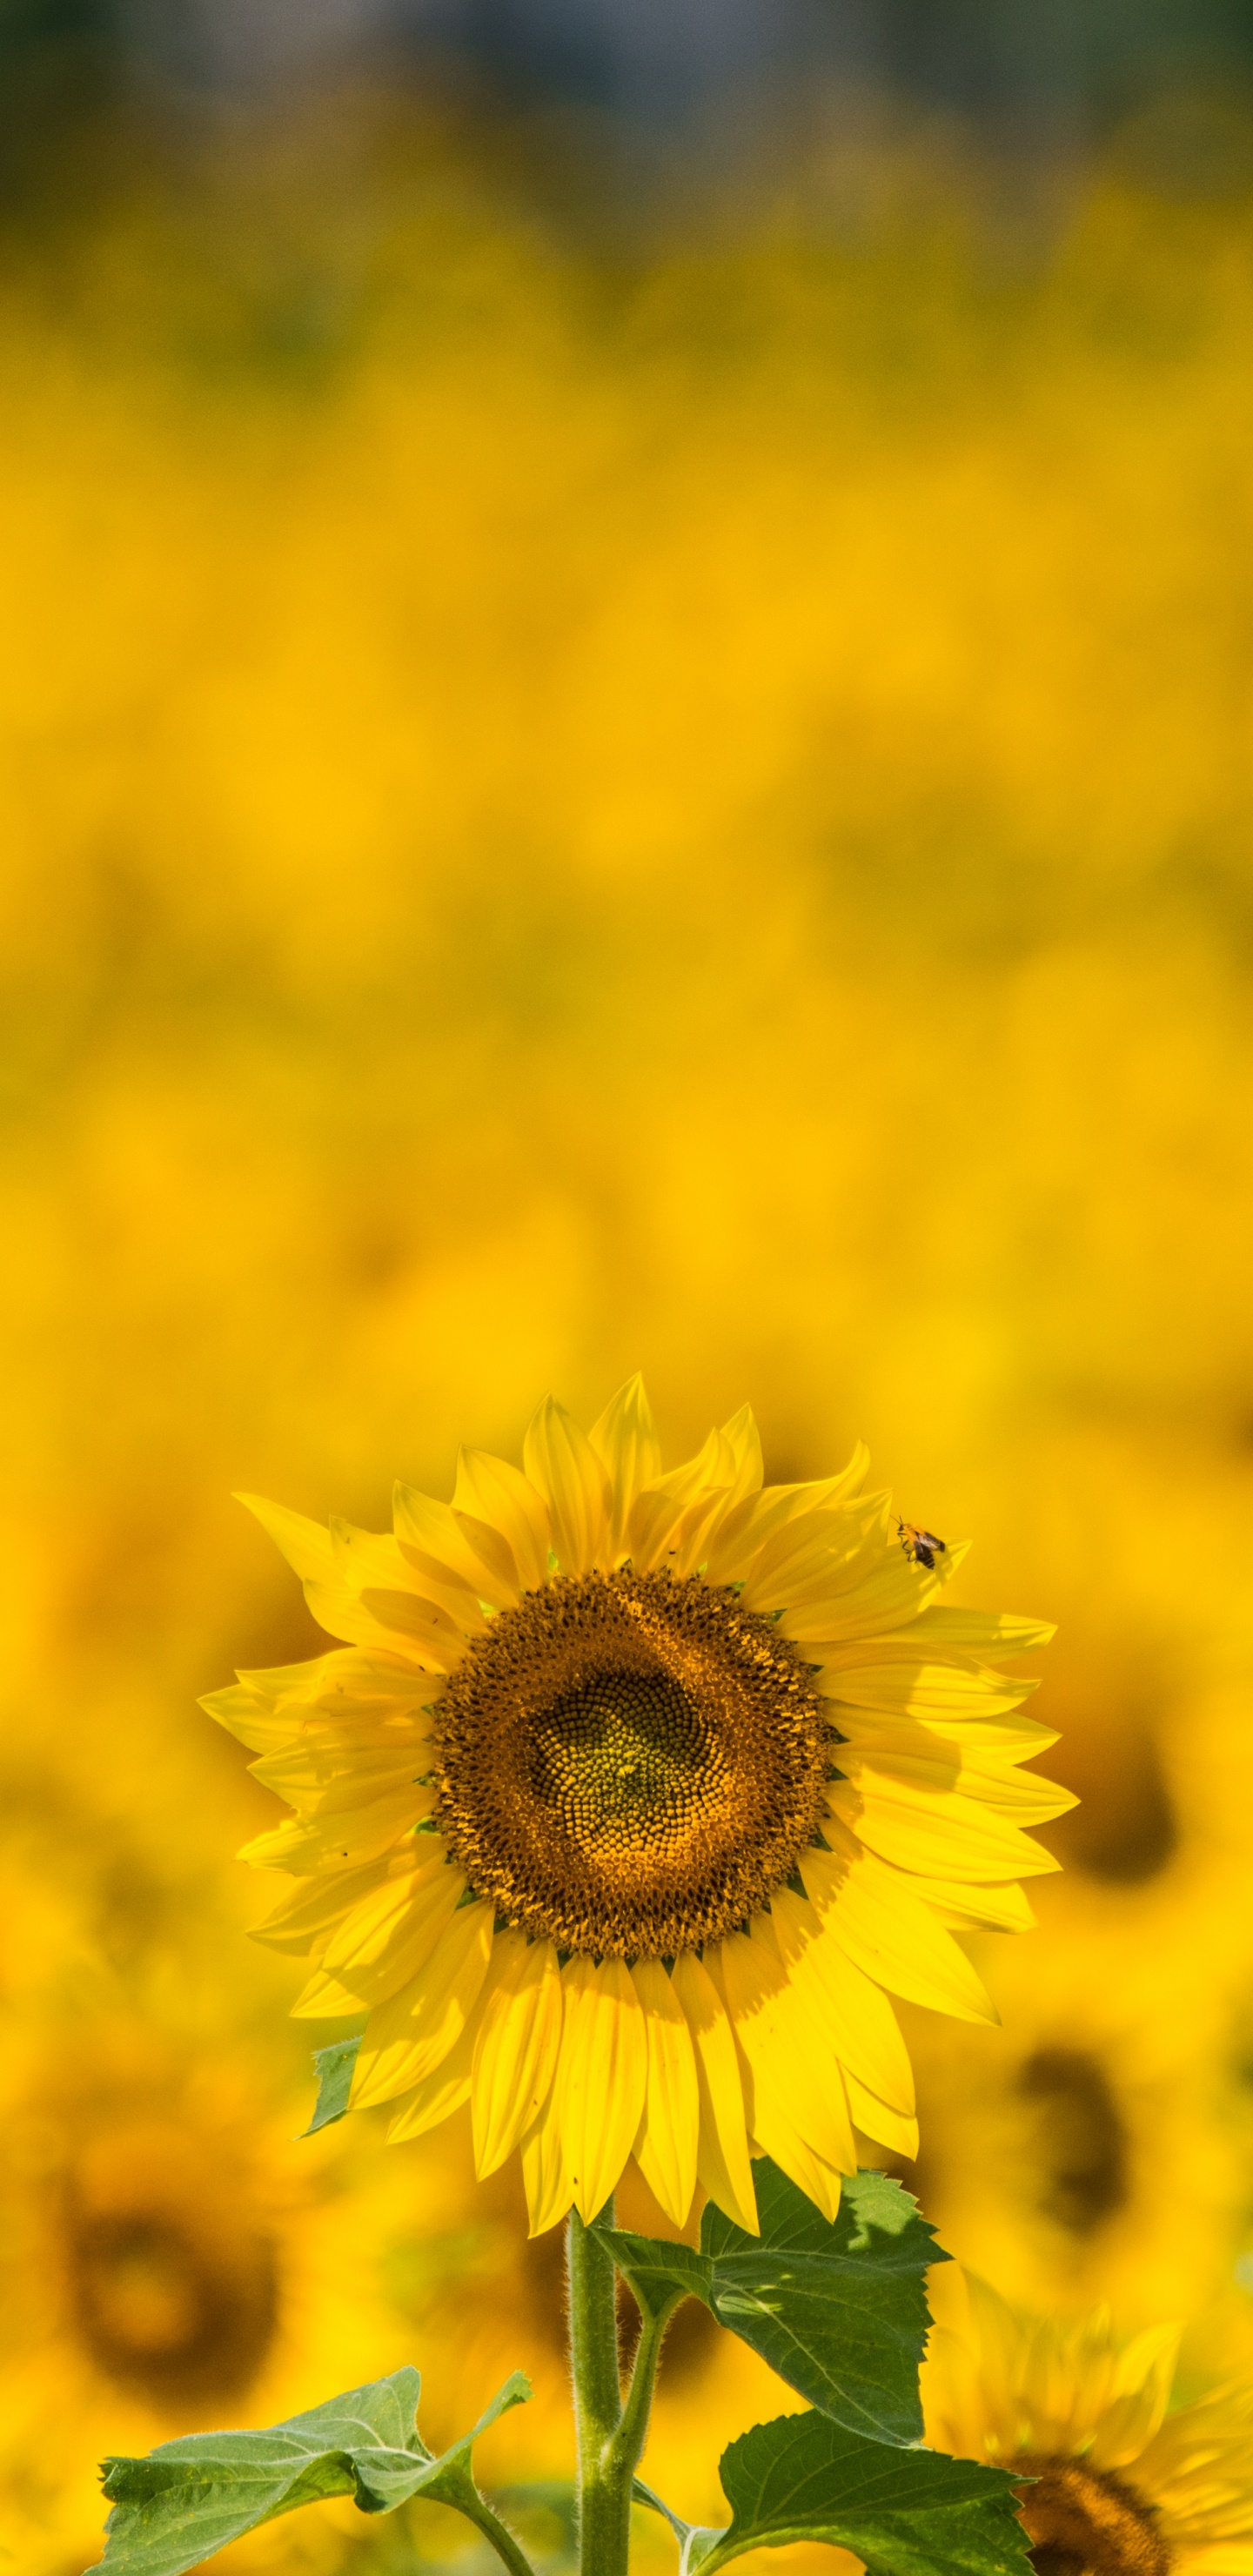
x=604 y=2475
x=632 y=2433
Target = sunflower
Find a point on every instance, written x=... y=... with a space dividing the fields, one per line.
x=1122 y=2488
x=1095 y=2149
x=146 y=2228
x=168 y=2255
x=626 y=1799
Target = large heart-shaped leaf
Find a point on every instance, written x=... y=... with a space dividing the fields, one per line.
x=904 y=2512
x=838 y=2308
x=189 y=2497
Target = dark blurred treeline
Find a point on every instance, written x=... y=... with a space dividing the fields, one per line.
x=91 y=90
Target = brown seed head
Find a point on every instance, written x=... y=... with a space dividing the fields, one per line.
x=629 y=1764
x=1087 y=2522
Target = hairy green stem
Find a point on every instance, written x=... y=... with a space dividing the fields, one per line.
x=611 y=2434
x=632 y=2433
x=506 y=2547
x=604 y=2482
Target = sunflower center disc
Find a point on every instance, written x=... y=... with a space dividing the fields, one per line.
x=630 y=1765
x=1086 y=2522
x=623 y=1755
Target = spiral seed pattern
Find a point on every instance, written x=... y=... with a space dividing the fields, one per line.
x=630 y=1765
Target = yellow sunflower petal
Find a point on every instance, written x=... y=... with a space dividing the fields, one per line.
x=808 y=1550
x=781 y=2141
x=381 y=1619
x=1144 y=2378
x=601 y=2077
x=380 y=1564
x=902 y=1682
x=368 y=1556
x=997 y=2381
x=669 y=2130
x=411 y=2034
x=938 y=1769
x=305 y=1544
x=782 y=2042
x=563 y=1466
x=743 y=1439
x=757 y=1517
x=246 y=1715
x=433 y=1534
x=363 y=1680
x=327 y=1999
x=324 y=1736
x=625 y=1440
x=272 y=1683
x=428 y=1633
x=713 y=1467
x=923 y=1830
x=875 y=1604
x=546 y=2175
x=493 y=1492
x=844 y=1487
x=440 y=2093
x=822 y=1612
x=875 y=2119
x=981 y=1755
x=985 y=1632
x=363 y=1697
x=304 y=1922
x=722 y=2158
x=887 y=1930
x=337 y=1841
x=669 y=1530
x=381 y=1945
x=345 y=1613
x=326 y=1780
x=861 y=2024
x=984 y=1743
x=518 y=2044
x=980 y=1909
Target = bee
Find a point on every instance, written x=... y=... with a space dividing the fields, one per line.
x=922 y=1545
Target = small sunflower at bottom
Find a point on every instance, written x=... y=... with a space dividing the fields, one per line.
x=1121 y=2487
x=629 y=1795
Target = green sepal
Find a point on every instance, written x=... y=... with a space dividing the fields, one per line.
x=189 y=2497
x=837 y=2308
x=902 y=2512
x=334 y=2066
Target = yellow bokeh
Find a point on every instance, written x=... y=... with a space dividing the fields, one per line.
x=691 y=810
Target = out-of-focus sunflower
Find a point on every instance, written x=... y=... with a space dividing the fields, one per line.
x=1089 y=2149
x=629 y=1796
x=169 y=2257
x=1121 y=2487
x=144 y=2229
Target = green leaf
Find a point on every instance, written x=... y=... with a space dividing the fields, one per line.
x=334 y=2068
x=838 y=2309
x=188 y=2498
x=903 y=2512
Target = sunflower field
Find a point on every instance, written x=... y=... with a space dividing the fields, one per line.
x=680 y=801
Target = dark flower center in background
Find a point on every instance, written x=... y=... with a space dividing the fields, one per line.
x=1086 y=2522
x=174 y=2283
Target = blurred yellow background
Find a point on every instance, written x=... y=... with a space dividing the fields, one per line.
x=568 y=809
